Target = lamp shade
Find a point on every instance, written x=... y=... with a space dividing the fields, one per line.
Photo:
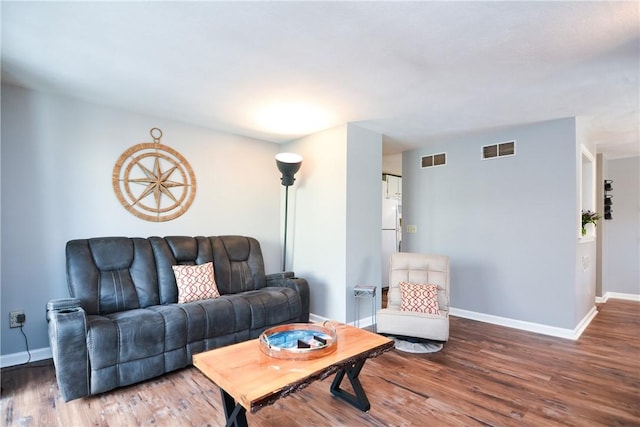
x=288 y=165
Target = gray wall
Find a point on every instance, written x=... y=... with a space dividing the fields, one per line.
x=336 y=232
x=621 y=245
x=319 y=225
x=601 y=173
x=58 y=155
x=508 y=224
x=364 y=216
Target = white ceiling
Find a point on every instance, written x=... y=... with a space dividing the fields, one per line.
x=414 y=71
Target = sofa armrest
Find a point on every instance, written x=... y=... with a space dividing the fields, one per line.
x=283 y=275
x=288 y=280
x=62 y=304
x=68 y=340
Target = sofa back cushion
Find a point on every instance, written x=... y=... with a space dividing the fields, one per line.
x=238 y=264
x=111 y=274
x=177 y=250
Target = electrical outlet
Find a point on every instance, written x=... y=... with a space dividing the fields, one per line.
x=16 y=319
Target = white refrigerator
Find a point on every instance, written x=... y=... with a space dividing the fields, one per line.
x=391 y=232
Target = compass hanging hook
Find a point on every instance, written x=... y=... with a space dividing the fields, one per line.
x=156 y=139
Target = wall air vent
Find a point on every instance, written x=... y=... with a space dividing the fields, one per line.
x=433 y=160
x=502 y=149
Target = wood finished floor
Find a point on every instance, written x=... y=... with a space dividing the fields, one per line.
x=486 y=375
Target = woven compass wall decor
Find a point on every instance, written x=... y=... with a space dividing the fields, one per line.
x=153 y=181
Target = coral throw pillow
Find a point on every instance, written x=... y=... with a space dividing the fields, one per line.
x=195 y=282
x=419 y=298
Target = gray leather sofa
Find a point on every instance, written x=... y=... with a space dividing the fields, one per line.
x=123 y=324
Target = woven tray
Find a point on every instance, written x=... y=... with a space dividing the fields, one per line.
x=300 y=341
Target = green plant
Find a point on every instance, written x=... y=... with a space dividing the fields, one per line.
x=589 y=217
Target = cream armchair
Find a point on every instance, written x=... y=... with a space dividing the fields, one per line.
x=419 y=269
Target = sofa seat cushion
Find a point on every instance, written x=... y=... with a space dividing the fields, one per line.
x=225 y=316
x=272 y=306
x=238 y=317
x=125 y=347
x=175 y=339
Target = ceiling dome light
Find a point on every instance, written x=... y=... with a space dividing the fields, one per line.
x=292 y=119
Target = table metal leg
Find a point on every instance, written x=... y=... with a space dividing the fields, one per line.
x=359 y=399
x=234 y=412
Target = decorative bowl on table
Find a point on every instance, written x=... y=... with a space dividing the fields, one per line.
x=300 y=341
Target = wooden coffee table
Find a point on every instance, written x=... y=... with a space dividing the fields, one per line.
x=250 y=380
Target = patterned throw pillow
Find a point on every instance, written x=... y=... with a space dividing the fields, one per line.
x=418 y=297
x=195 y=282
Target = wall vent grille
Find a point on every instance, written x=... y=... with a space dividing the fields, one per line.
x=432 y=160
x=503 y=149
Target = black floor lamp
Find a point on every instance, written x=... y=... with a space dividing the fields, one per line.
x=288 y=165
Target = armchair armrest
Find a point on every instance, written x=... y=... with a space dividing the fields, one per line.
x=68 y=339
x=288 y=280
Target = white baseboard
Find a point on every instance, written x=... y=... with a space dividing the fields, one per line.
x=14 y=359
x=316 y=318
x=617 y=295
x=585 y=322
x=364 y=322
x=572 y=334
